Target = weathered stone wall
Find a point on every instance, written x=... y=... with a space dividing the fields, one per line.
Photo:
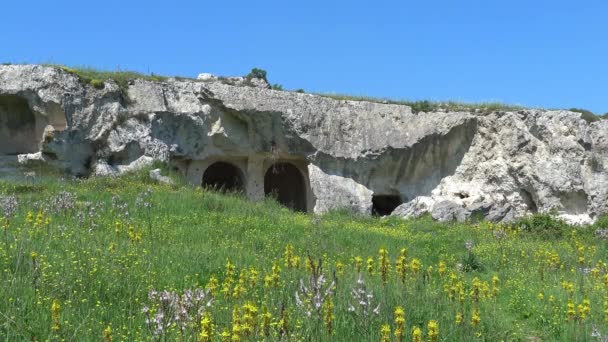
x=500 y=165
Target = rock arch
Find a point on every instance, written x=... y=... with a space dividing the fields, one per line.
x=286 y=183
x=19 y=131
x=22 y=129
x=224 y=176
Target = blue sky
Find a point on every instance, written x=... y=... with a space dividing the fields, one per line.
x=551 y=54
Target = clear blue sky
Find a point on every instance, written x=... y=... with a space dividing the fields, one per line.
x=538 y=53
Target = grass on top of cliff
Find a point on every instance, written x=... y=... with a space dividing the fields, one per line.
x=96 y=78
x=125 y=259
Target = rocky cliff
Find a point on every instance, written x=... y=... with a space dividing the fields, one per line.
x=312 y=152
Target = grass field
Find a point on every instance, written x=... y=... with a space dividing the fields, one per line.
x=128 y=260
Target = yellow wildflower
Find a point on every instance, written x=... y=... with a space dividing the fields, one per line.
x=207 y=330
x=433 y=327
x=476 y=317
x=384 y=264
x=56 y=315
x=385 y=332
x=107 y=334
x=416 y=335
x=328 y=315
x=399 y=323
x=358 y=263
x=442 y=268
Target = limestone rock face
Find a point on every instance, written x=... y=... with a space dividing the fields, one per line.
x=311 y=152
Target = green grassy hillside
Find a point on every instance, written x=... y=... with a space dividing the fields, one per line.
x=115 y=259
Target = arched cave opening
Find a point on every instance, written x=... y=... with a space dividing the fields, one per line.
x=286 y=183
x=383 y=205
x=19 y=132
x=222 y=176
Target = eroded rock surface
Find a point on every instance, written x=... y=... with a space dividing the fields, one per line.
x=350 y=154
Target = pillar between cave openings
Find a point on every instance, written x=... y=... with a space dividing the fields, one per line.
x=255 y=178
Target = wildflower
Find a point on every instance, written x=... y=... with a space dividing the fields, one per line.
x=56 y=315
x=284 y=322
x=433 y=327
x=250 y=314
x=297 y=261
x=328 y=315
x=459 y=318
x=401 y=265
x=310 y=264
x=358 y=263
x=385 y=331
x=384 y=265
x=370 y=265
x=469 y=245
x=495 y=286
x=289 y=255
x=9 y=206
x=315 y=293
x=363 y=300
x=417 y=334
x=416 y=265
x=225 y=335
x=276 y=274
x=266 y=321
x=212 y=285
x=476 y=289
x=267 y=280
x=584 y=309
x=442 y=268
x=207 y=329
x=476 y=317
x=568 y=286
x=571 y=311
x=253 y=277
x=541 y=296
x=107 y=334
x=461 y=293
x=340 y=267
x=399 y=323
x=236 y=324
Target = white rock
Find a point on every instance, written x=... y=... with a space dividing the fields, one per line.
x=206 y=77
x=157 y=176
x=138 y=164
x=30 y=158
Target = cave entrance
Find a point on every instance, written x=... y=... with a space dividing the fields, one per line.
x=222 y=176
x=383 y=205
x=286 y=183
x=19 y=132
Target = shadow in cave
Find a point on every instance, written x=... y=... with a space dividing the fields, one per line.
x=18 y=130
x=286 y=183
x=224 y=177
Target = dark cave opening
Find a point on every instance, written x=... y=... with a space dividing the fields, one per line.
x=18 y=130
x=225 y=177
x=383 y=205
x=286 y=183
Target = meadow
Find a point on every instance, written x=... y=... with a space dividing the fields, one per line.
x=124 y=259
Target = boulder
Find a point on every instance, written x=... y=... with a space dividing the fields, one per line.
x=447 y=211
